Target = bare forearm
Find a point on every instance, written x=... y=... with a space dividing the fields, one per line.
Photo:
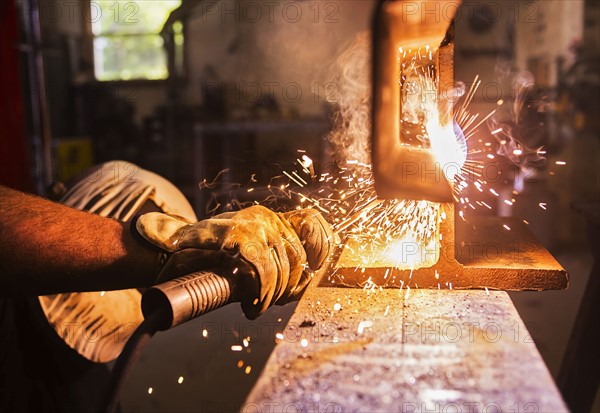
x=47 y=248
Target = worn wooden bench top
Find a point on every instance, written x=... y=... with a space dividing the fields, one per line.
x=355 y=350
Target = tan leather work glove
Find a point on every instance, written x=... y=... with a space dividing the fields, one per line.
x=273 y=252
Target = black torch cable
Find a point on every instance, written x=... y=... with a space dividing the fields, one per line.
x=129 y=357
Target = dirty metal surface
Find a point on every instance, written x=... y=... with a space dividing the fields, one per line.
x=486 y=252
x=347 y=350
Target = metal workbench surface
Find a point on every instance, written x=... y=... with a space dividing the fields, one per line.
x=386 y=350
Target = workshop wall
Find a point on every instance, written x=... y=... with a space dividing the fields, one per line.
x=280 y=49
x=62 y=25
x=547 y=36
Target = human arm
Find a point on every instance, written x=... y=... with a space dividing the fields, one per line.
x=48 y=248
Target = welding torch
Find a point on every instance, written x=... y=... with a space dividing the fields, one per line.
x=165 y=306
x=182 y=299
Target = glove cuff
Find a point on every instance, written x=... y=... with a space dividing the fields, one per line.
x=162 y=255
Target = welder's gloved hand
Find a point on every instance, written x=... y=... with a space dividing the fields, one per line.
x=273 y=252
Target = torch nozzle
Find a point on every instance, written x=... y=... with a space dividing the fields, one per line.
x=188 y=297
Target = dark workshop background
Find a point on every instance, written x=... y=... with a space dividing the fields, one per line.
x=245 y=91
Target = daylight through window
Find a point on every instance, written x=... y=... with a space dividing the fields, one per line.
x=127 y=40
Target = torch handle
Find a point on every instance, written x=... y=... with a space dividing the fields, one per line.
x=188 y=297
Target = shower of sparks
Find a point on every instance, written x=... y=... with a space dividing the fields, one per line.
x=389 y=226
x=382 y=230
x=403 y=234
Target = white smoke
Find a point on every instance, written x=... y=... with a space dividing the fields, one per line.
x=350 y=136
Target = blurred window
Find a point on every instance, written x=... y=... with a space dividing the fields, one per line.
x=127 y=40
